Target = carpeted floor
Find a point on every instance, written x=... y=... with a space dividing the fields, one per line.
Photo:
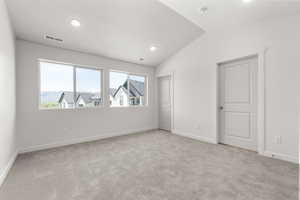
x=149 y=166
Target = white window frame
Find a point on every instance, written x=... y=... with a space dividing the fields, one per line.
x=128 y=75
x=75 y=66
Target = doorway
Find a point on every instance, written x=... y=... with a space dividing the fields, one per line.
x=238 y=103
x=165 y=103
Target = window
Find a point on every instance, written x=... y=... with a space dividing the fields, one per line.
x=56 y=79
x=88 y=87
x=66 y=86
x=126 y=89
x=137 y=90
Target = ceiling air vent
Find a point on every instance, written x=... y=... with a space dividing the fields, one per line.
x=48 y=37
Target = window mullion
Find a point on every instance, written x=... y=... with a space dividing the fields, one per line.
x=145 y=99
x=102 y=88
x=74 y=86
x=128 y=88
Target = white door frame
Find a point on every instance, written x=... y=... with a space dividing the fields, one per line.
x=260 y=98
x=171 y=75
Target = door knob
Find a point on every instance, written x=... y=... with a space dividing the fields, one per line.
x=221 y=107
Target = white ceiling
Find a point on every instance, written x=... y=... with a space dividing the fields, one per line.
x=121 y=29
x=125 y=29
x=224 y=14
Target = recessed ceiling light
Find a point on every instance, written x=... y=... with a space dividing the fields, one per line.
x=75 y=23
x=247 y=1
x=153 y=48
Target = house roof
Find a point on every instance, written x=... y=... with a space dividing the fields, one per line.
x=136 y=88
x=67 y=96
x=112 y=91
x=86 y=96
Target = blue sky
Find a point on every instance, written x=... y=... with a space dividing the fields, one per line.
x=88 y=80
x=116 y=79
x=54 y=77
x=58 y=77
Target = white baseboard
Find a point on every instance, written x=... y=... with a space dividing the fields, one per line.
x=193 y=136
x=265 y=153
x=281 y=156
x=81 y=140
x=4 y=172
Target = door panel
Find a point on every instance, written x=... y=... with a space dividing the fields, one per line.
x=237 y=82
x=238 y=103
x=164 y=88
x=237 y=124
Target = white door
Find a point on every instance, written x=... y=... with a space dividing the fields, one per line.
x=238 y=103
x=164 y=88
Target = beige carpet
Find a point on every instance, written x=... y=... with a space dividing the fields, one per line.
x=149 y=166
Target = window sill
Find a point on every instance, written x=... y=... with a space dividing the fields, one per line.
x=68 y=109
x=91 y=108
x=145 y=106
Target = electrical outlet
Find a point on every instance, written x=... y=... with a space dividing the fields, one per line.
x=278 y=140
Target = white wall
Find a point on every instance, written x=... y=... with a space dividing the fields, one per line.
x=7 y=92
x=195 y=80
x=37 y=128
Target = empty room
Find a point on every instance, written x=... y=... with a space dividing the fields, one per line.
x=149 y=99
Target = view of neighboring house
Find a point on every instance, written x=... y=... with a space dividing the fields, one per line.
x=83 y=99
x=124 y=95
x=88 y=99
x=128 y=94
x=66 y=100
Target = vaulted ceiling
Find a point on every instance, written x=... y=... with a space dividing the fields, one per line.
x=216 y=15
x=126 y=29
x=120 y=29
